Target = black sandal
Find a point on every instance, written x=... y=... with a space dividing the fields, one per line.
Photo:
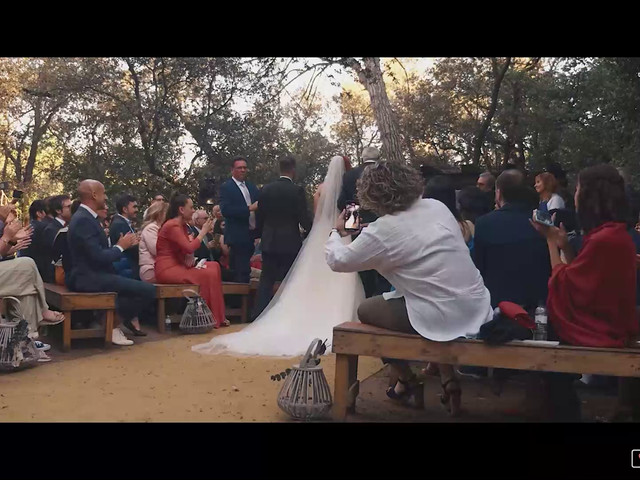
x=450 y=397
x=412 y=389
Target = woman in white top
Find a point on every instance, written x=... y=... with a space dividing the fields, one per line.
x=417 y=244
x=546 y=186
x=153 y=220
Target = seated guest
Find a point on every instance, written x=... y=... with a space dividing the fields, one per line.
x=592 y=297
x=439 y=294
x=441 y=188
x=20 y=278
x=486 y=184
x=220 y=251
x=37 y=249
x=156 y=215
x=511 y=256
x=48 y=216
x=126 y=211
x=60 y=206
x=159 y=198
x=198 y=220
x=216 y=213
x=61 y=258
x=92 y=261
x=472 y=203
x=547 y=187
x=175 y=262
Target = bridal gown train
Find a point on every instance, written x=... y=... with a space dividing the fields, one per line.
x=311 y=300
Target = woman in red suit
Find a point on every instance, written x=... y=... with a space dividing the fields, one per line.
x=175 y=262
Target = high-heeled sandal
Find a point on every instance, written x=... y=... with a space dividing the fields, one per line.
x=412 y=389
x=451 y=395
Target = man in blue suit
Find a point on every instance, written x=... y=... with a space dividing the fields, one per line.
x=92 y=260
x=238 y=203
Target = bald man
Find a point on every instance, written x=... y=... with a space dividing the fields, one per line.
x=92 y=260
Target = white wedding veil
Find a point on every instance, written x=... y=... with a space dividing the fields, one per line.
x=311 y=300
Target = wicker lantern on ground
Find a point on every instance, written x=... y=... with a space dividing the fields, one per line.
x=17 y=350
x=197 y=317
x=305 y=394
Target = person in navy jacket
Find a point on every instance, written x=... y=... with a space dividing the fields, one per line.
x=92 y=260
x=238 y=203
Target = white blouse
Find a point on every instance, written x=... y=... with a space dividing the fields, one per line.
x=555 y=201
x=422 y=253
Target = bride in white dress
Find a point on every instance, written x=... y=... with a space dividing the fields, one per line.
x=311 y=300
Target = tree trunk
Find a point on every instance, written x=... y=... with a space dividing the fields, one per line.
x=482 y=133
x=371 y=78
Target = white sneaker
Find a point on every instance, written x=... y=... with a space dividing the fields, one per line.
x=118 y=338
x=45 y=347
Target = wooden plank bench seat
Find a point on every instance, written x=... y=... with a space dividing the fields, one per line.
x=353 y=339
x=164 y=291
x=61 y=298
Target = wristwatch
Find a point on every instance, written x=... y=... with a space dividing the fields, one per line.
x=334 y=230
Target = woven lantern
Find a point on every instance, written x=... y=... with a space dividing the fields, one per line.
x=305 y=394
x=197 y=317
x=17 y=350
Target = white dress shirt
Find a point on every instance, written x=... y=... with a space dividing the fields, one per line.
x=422 y=253
x=247 y=198
x=128 y=223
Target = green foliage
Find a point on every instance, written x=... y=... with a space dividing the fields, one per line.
x=157 y=125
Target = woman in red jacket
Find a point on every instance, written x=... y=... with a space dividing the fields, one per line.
x=592 y=297
x=175 y=262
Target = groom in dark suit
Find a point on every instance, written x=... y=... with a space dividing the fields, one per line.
x=373 y=283
x=238 y=203
x=281 y=212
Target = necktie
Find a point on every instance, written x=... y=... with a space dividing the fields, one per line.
x=247 y=198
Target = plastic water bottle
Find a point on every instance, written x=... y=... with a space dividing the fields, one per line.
x=541 y=323
x=167 y=324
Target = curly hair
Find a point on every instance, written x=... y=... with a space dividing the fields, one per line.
x=389 y=187
x=601 y=197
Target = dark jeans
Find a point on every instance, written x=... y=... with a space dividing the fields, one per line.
x=373 y=283
x=275 y=267
x=390 y=314
x=134 y=296
x=239 y=259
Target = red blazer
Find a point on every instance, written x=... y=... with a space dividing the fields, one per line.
x=174 y=244
x=592 y=300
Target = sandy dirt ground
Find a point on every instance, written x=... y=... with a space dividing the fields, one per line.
x=160 y=379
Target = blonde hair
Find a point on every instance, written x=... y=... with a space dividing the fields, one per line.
x=156 y=213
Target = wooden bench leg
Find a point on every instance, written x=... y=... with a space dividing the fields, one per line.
x=66 y=332
x=245 y=308
x=108 y=328
x=346 y=375
x=161 y=315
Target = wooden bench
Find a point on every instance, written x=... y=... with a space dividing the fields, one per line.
x=233 y=288
x=164 y=291
x=60 y=298
x=353 y=339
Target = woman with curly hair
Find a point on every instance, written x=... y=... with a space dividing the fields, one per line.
x=415 y=243
x=592 y=297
